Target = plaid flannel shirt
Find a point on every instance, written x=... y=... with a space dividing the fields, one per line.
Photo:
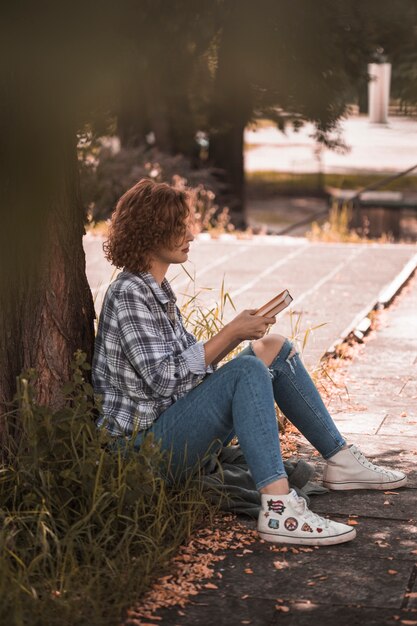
x=144 y=358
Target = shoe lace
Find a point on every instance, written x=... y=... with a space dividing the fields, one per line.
x=302 y=508
x=364 y=461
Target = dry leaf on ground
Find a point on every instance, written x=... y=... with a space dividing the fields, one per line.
x=280 y=564
x=210 y=586
x=191 y=566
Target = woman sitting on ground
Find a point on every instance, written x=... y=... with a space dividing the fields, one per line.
x=155 y=377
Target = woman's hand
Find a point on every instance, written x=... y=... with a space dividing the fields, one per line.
x=247 y=325
x=244 y=326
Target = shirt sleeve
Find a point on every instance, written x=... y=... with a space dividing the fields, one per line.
x=196 y=359
x=149 y=353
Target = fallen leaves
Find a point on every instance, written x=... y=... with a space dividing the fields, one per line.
x=280 y=606
x=280 y=565
x=318 y=578
x=392 y=572
x=193 y=564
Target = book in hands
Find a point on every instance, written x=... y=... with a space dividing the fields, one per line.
x=277 y=304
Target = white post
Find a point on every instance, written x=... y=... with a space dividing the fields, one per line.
x=378 y=92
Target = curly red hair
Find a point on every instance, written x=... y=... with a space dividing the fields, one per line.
x=148 y=216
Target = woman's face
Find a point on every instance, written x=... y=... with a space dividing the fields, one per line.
x=178 y=253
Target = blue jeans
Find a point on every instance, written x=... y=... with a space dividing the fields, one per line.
x=238 y=398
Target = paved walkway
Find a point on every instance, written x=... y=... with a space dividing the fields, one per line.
x=334 y=286
x=372 y=580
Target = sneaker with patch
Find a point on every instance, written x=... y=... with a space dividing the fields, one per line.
x=287 y=519
x=350 y=469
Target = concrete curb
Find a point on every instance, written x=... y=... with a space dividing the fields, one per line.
x=361 y=322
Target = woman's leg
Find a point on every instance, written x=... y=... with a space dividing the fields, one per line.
x=296 y=395
x=237 y=397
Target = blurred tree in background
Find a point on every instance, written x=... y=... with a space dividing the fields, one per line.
x=174 y=82
x=210 y=67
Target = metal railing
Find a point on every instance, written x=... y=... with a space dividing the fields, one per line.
x=353 y=199
x=383 y=182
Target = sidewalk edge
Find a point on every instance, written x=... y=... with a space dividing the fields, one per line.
x=384 y=298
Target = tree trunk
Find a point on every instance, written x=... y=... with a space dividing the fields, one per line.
x=231 y=111
x=226 y=153
x=46 y=307
x=161 y=107
x=133 y=120
x=64 y=301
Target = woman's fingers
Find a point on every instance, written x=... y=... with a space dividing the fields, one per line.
x=251 y=326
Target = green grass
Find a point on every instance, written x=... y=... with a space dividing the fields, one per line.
x=84 y=528
x=268 y=184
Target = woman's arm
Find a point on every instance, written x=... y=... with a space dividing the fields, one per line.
x=244 y=326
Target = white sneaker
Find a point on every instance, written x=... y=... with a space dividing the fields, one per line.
x=350 y=469
x=287 y=519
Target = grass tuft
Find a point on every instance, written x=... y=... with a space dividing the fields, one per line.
x=84 y=527
x=337 y=228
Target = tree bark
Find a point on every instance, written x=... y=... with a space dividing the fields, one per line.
x=46 y=307
x=64 y=301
